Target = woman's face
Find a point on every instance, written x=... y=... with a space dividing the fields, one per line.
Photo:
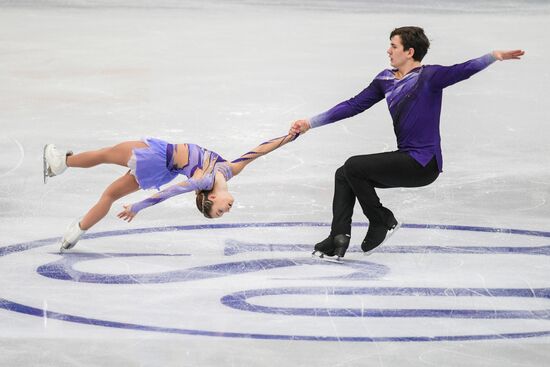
x=221 y=204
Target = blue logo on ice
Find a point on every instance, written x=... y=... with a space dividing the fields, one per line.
x=65 y=269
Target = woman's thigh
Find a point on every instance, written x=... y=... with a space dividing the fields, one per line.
x=121 y=187
x=120 y=154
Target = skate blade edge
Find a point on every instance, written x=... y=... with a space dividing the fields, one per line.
x=318 y=255
x=390 y=233
x=44 y=164
x=65 y=246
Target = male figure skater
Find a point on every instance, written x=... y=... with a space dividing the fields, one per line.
x=413 y=92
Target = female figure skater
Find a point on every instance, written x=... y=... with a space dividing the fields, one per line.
x=153 y=163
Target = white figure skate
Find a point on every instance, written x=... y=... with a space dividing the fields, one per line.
x=71 y=237
x=54 y=161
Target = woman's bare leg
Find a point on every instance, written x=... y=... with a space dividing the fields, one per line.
x=118 y=154
x=123 y=186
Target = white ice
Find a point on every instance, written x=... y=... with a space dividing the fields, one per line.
x=230 y=75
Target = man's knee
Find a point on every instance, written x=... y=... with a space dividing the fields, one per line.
x=354 y=167
x=340 y=174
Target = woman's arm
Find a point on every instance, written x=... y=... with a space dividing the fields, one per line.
x=266 y=147
x=204 y=183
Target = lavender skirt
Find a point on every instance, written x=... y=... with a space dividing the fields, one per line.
x=148 y=165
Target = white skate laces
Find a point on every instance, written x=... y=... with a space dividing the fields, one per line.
x=55 y=161
x=72 y=236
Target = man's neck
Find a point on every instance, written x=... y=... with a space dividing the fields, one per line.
x=405 y=69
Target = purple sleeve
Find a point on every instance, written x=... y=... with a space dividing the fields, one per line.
x=204 y=183
x=444 y=76
x=364 y=100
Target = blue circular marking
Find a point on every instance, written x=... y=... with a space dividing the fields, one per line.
x=28 y=310
x=239 y=301
x=63 y=269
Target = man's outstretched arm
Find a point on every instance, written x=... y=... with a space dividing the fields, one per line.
x=444 y=76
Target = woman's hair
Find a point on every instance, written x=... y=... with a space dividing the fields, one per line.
x=203 y=203
x=413 y=37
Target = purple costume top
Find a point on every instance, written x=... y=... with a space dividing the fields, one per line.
x=155 y=167
x=414 y=103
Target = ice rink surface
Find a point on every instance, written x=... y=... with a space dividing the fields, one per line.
x=465 y=282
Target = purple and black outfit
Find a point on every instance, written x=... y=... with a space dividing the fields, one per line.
x=154 y=166
x=415 y=107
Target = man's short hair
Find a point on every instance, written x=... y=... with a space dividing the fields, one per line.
x=413 y=37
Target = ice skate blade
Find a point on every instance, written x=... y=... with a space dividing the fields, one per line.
x=388 y=235
x=318 y=255
x=62 y=249
x=47 y=170
x=44 y=164
x=391 y=232
x=65 y=246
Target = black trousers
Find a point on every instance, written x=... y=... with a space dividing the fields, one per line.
x=359 y=177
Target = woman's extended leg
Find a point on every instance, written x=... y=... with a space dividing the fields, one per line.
x=123 y=186
x=118 y=154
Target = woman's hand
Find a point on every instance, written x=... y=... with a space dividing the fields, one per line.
x=299 y=127
x=127 y=214
x=508 y=55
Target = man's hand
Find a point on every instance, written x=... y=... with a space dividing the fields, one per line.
x=127 y=214
x=299 y=127
x=508 y=55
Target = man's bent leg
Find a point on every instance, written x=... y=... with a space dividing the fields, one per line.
x=384 y=170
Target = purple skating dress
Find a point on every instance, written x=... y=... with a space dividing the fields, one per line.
x=154 y=167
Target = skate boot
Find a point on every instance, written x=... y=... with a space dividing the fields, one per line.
x=378 y=234
x=71 y=236
x=332 y=248
x=325 y=247
x=54 y=160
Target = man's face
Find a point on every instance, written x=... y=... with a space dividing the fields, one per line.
x=398 y=56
